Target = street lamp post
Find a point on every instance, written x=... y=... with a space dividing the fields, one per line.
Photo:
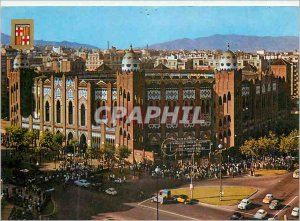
x=157 y=171
x=220 y=146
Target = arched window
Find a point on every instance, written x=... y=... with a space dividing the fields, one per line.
x=220 y=123
x=128 y=96
x=207 y=106
x=220 y=100
x=229 y=96
x=70 y=136
x=224 y=120
x=229 y=132
x=82 y=115
x=58 y=112
x=224 y=98
x=47 y=112
x=70 y=112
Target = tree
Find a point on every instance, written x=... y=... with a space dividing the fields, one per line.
x=268 y=144
x=123 y=152
x=31 y=138
x=74 y=144
x=16 y=136
x=46 y=140
x=58 y=140
x=290 y=144
x=108 y=152
x=250 y=148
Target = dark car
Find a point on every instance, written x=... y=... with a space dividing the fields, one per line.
x=236 y=216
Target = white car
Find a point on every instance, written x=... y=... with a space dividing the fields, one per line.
x=295 y=211
x=260 y=214
x=82 y=183
x=111 y=191
x=296 y=174
x=119 y=180
x=244 y=204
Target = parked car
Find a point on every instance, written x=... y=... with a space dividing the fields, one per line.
x=295 y=211
x=119 y=180
x=274 y=204
x=111 y=191
x=244 y=204
x=160 y=199
x=82 y=183
x=181 y=198
x=260 y=214
x=268 y=198
x=236 y=216
x=296 y=174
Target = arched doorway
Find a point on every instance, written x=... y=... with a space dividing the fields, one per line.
x=70 y=136
x=82 y=143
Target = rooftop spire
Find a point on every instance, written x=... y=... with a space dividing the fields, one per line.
x=228 y=46
x=131 y=47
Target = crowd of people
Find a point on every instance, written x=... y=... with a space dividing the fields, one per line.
x=28 y=200
x=207 y=170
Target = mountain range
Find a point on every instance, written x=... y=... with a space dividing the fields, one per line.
x=5 y=39
x=237 y=42
x=213 y=42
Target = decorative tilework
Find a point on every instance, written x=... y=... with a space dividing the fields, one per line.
x=171 y=94
x=153 y=94
x=245 y=91
x=70 y=82
x=257 y=89
x=189 y=94
x=263 y=89
x=57 y=81
x=269 y=87
x=114 y=93
x=57 y=93
x=47 y=91
x=205 y=93
x=101 y=94
x=274 y=86
x=70 y=95
x=82 y=93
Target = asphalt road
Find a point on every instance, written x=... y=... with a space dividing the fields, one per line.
x=80 y=203
x=283 y=187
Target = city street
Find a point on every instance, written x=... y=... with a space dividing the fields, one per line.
x=94 y=205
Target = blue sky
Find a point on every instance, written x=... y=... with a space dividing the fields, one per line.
x=142 y=25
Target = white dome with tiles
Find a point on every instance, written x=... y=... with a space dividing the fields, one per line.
x=228 y=61
x=130 y=61
x=21 y=61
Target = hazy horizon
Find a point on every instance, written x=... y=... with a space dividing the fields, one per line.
x=150 y=25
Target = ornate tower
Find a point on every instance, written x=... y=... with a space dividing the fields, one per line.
x=130 y=88
x=227 y=100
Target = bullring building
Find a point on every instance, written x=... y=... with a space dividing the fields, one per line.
x=234 y=103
